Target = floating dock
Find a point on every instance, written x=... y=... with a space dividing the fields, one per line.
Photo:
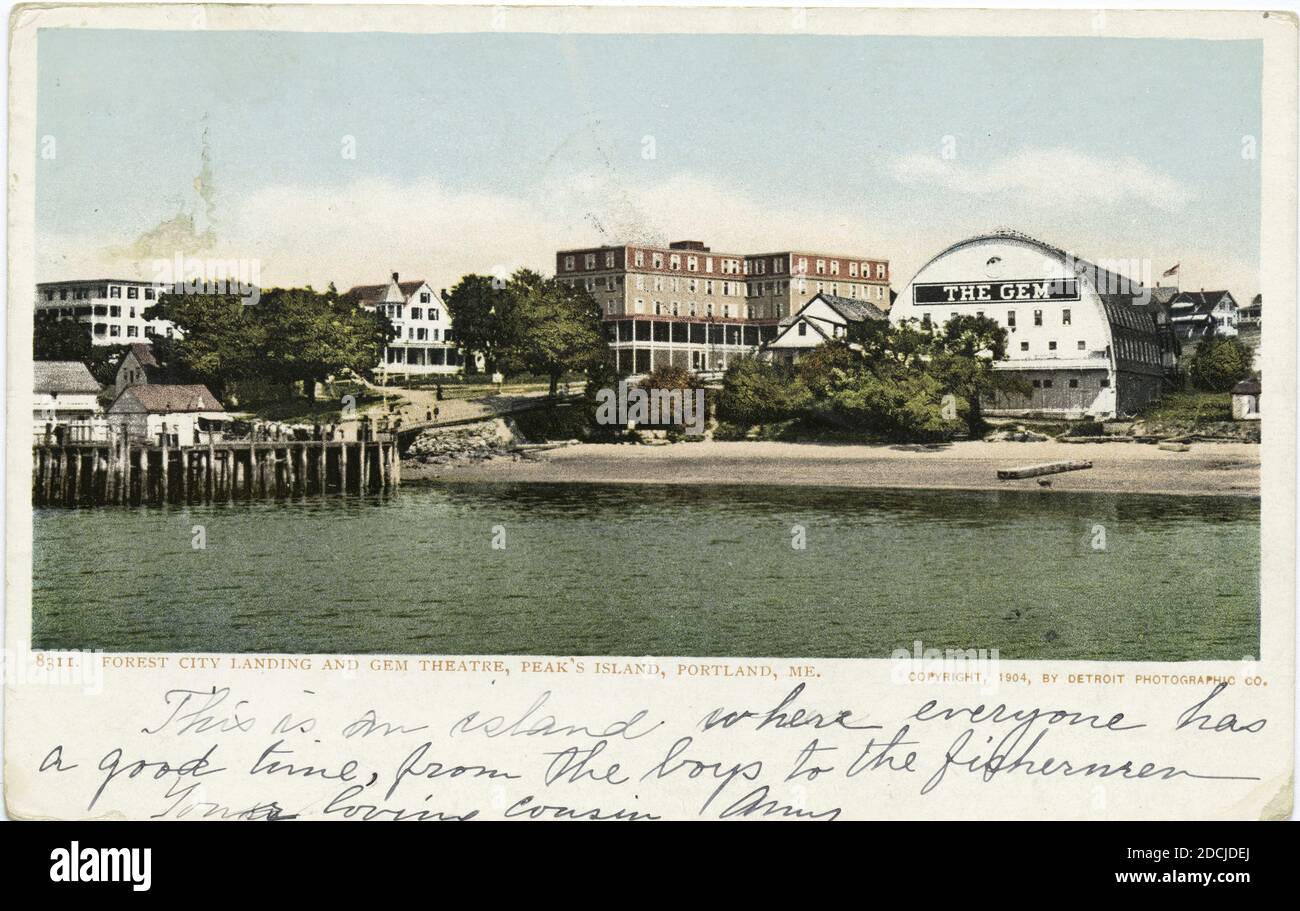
x=1033 y=471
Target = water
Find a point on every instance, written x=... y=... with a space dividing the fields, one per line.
x=652 y=570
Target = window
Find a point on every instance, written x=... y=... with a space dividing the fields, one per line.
x=1038 y=317
x=639 y=258
x=1011 y=319
x=149 y=294
x=1105 y=384
x=853 y=270
x=1051 y=346
x=114 y=331
x=1038 y=384
x=133 y=293
x=880 y=270
x=803 y=328
x=114 y=311
x=589 y=261
x=113 y=291
x=835 y=267
x=1024 y=346
x=568 y=264
x=658 y=260
x=821 y=267
x=1047 y=384
x=1074 y=384
x=674 y=262
x=1065 y=317
x=131 y=331
x=692 y=264
x=1082 y=345
x=416 y=312
x=609 y=260
x=424 y=298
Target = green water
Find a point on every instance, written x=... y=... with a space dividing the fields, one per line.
x=656 y=570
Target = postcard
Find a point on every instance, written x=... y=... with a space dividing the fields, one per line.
x=630 y=413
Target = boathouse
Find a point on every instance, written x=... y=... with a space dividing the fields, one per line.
x=65 y=393
x=184 y=415
x=1087 y=340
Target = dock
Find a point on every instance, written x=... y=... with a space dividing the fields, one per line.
x=133 y=473
x=1033 y=471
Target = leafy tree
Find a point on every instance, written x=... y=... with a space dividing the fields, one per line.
x=60 y=340
x=758 y=392
x=220 y=339
x=309 y=336
x=1219 y=364
x=963 y=357
x=290 y=336
x=483 y=316
x=558 y=328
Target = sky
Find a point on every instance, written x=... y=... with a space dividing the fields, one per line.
x=346 y=157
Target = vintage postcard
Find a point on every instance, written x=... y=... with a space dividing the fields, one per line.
x=650 y=413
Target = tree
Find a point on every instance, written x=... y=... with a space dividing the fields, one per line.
x=482 y=314
x=309 y=336
x=220 y=340
x=558 y=328
x=290 y=336
x=1219 y=364
x=963 y=358
x=60 y=340
x=757 y=392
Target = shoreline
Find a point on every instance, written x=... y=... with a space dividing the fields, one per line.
x=1208 y=469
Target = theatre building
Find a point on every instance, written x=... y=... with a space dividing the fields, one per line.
x=1088 y=341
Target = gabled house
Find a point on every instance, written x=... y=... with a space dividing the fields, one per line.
x=139 y=366
x=180 y=414
x=65 y=393
x=425 y=342
x=1203 y=314
x=824 y=317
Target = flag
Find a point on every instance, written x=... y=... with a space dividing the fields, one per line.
x=1171 y=271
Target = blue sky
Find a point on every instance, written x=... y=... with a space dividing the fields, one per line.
x=488 y=151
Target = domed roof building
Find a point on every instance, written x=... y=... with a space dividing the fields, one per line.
x=1090 y=342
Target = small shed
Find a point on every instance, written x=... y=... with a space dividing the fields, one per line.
x=1245 y=401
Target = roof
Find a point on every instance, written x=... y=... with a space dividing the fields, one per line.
x=849 y=309
x=96 y=281
x=161 y=399
x=1246 y=387
x=855 y=311
x=56 y=377
x=143 y=354
x=373 y=294
x=1198 y=302
x=1163 y=294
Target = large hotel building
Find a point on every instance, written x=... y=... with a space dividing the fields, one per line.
x=686 y=305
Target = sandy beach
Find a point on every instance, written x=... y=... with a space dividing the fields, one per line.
x=1208 y=468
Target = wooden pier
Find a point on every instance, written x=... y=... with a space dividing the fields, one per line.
x=130 y=473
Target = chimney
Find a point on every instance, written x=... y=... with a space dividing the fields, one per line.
x=394 y=278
